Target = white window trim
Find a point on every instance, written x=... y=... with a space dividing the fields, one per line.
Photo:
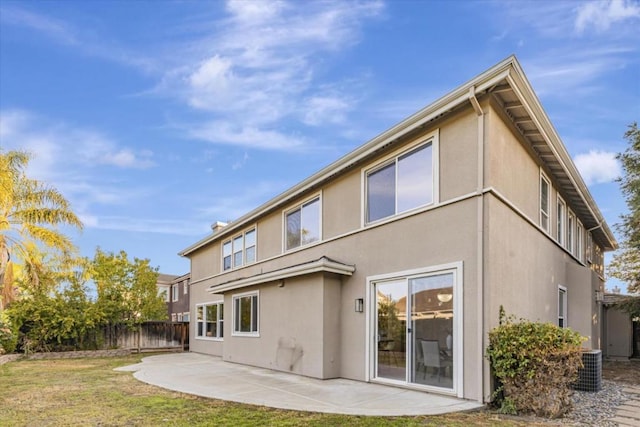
x=204 y=304
x=561 y=234
x=565 y=318
x=571 y=232
x=243 y=233
x=589 y=247
x=186 y=315
x=434 y=139
x=175 y=293
x=185 y=283
x=166 y=290
x=545 y=178
x=580 y=240
x=458 y=288
x=294 y=207
x=235 y=333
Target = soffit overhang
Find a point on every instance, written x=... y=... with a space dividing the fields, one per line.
x=321 y=265
x=508 y=85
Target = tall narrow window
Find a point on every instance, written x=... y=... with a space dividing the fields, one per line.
x=303 y=224
x=571 y=224
x=238 y=250
x=250 y=246
x=544 y=203
x=562 y=219
x=402 y=184
x=589 y=247
x=175 y=292
x=245 y=314
x=562 y=306
x=226 y=255
x=580 y=241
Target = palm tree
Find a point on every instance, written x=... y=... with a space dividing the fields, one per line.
x=30 y=212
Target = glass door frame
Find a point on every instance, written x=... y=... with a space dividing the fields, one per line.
x=371 y=341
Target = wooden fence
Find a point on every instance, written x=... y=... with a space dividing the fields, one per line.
x=150 y=336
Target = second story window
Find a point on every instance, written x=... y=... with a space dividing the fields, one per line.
x=562 y=219
x=240 y=250
x=571 y=224
x=544 y=202
x=176 y=294
x=302 y=224
x=400 y=184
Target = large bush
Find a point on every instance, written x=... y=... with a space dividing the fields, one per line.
x=535 y=364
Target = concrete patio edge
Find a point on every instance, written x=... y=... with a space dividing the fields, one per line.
x=211 y=377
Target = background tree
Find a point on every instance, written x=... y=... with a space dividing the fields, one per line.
x=127 y=291
x=30 y=211
x=625 y=265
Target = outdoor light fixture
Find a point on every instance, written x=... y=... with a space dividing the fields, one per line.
x=359 y=305
x=445 y=297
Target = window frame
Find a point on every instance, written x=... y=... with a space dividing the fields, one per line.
x=230 y=241
x=175 y=293
x=163 y=291
x=561 y=221
x=543 y=214
x=571 y=232
x=298 y=206
x=185 y=283
x=219 y=321
x=235 y=327
x=432 y=140
x=580 y=240
x=589 y=247
x=562 y=290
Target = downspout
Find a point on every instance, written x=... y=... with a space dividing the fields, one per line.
x=480 y=243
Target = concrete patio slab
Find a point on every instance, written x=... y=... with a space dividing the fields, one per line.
x=210 y=376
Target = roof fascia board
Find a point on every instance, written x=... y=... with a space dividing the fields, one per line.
x=322 y=265
x=531 y=103
x=438 y=107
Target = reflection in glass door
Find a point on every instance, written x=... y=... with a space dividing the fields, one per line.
x=427 y=301
x=391 y=300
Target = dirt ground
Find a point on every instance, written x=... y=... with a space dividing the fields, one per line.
x=622 y=372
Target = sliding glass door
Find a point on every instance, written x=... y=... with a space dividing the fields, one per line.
x=415 y=330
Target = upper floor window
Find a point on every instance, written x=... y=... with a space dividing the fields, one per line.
x=245 y=314
x=562 y=219
x=303 y=224
x=571 y=225
x=403 y=183
x=589 y=247
x=240 y=250
x=544 y=202
x=176 y=294
x=580 y=241
x=186 y=286
x=163 y=292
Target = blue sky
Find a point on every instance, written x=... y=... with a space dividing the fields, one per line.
x=158 y=118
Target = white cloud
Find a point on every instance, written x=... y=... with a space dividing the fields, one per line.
x=185 y=227
x=263 y=64
x=238 y=134
x=601 y=15
x=597 y=167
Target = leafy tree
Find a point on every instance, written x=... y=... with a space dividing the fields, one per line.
x=30 y=211
x=127 y=291
x=625 y=265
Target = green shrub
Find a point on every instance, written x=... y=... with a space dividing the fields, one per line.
x=8 y=336
x=535 y=363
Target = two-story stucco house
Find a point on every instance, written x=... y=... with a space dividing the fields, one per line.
x=390 y=264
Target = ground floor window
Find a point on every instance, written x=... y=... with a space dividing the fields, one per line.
x=210 y=320
x=562 y=306
x=245 y=314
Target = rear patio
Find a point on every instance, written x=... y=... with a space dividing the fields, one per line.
x=209 y=376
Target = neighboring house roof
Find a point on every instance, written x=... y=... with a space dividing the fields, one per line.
x=613 y=298
x=508 y=84
x=178 y=279
x=166 y=279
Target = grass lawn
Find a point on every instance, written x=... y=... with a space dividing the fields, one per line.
x=89 y=392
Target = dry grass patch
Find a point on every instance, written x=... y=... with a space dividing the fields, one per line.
x=89 y=392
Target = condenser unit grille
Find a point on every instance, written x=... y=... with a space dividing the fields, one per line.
x=590 y=376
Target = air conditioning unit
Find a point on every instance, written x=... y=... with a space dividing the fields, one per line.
x=590 y=375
